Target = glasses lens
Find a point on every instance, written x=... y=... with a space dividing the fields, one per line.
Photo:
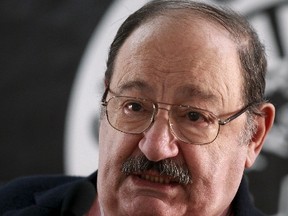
x=188 y=124
x=130 y=115
x=193 y=125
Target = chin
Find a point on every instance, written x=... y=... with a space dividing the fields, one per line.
x=149 y=206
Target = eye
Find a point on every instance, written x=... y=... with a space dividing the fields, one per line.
x=195 y=116
x=134 y=106
x=199 y=118
x=190 y=115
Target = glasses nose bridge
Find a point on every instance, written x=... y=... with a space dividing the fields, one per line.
x=169 y=108
x=165 y=106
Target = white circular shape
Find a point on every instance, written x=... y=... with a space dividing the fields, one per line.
x=80 y=142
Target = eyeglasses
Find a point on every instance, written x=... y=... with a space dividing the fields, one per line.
x=189 y=124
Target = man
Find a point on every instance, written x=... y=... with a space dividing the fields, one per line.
x=183 y=116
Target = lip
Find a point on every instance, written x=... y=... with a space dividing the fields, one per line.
x=156 y=182
x=156 y=179
x=147 y=190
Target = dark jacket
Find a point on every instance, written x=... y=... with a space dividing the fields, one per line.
x=46 y=195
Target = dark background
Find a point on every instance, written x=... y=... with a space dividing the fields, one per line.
x=41 y=45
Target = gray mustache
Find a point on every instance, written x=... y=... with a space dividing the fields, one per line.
x=167 y=167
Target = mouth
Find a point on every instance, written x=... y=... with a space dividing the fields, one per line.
x=157 y=179
x=162 y=172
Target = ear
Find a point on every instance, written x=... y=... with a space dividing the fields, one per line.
x=264 y=124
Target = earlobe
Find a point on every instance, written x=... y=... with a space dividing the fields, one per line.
x=264 y=124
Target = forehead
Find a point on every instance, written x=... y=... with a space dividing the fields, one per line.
x=183 y=57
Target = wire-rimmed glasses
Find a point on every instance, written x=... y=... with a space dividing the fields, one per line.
x=191 y=125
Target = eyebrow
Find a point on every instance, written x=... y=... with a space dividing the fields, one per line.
x=196 y=91
x=185 y=91
x=135 y=84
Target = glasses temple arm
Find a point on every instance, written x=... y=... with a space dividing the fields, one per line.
x=229 y=119
x=103 y=100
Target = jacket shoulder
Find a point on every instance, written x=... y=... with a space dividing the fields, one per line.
x=20 y=192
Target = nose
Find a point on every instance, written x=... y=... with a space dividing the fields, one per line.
x=158 y=142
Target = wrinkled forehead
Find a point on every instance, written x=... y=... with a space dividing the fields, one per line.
x=177 y=27
x=228 y=24
x=172 y=53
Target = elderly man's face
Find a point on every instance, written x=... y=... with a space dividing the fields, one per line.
x=176 y=62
